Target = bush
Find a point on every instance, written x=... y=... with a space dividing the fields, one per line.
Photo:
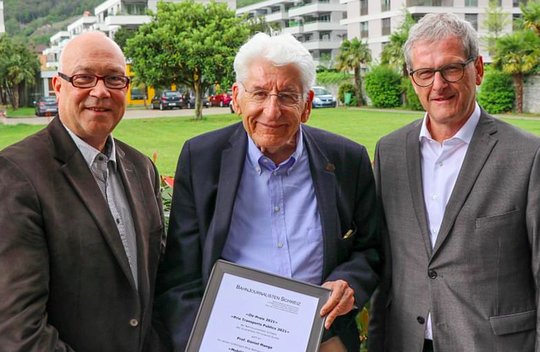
x=413 y=102
x=383 y=87
x=346 y=87
x=496 y=92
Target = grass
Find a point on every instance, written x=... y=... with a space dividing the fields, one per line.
x=21 y=112
x=165 y=136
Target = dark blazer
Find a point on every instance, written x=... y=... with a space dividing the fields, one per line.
x=480 y=282
x=206 y=182
x=65 y=281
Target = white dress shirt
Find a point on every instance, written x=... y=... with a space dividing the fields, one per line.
x=441 y=163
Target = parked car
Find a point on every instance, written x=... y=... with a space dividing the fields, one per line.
x=323 y=98
x=46 y=106
x=168 y=99
x=222 y=99
x=190 y=103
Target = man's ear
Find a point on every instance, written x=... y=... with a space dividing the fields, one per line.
x=307 y=106
x=235 y=97
x=56 y=83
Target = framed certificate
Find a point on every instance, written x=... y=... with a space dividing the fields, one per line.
x=247 y=310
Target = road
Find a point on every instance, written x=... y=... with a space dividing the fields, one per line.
x=130 y=114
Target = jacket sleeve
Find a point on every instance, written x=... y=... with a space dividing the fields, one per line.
x=179 y=286
x=24 y=267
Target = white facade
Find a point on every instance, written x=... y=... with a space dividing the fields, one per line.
x=374 y=20
x=2 y=26
x=315 y=23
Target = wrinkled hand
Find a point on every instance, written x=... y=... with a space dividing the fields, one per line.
x=340 y=302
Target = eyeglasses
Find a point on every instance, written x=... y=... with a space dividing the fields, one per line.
x=260 y=96
x=424 y=77
x=85 y=80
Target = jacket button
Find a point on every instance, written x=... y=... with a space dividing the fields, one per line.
x=432 y=274
x=420 y=320
x=134 y=322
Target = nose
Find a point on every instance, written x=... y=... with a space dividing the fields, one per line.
x=272 y=108
x=100 y=90
x=438 y=81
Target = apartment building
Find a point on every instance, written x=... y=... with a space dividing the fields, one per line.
x=315 y=23
x=374 y=20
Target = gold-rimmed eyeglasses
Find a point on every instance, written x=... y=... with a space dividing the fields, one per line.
x=86 y=80
x=424 y=77
x=261 y=96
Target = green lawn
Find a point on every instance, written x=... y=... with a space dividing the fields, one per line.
x=167 y=135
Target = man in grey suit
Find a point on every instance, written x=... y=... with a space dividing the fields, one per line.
x=81 y=228
x=460 y=193
x=274 y=194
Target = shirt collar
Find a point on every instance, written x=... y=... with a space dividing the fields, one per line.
x=90 y=153
x=258 y=160
x=464 y=134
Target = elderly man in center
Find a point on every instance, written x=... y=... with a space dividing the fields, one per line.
x=273 y=194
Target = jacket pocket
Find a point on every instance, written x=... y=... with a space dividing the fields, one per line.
x=512 y=323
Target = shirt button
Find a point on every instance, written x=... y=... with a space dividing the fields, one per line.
x=432 y=274
x=420 y=320
x=276 y=209
x=440 y=163
x=280 y=245
x=435 y=197
x=134 y=322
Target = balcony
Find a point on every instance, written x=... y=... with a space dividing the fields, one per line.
x=277 y=16
x=315 y=26
x=127 y=20
x=430 y=3
x=315 y=8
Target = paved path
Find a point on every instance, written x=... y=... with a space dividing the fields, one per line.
x=130 y=114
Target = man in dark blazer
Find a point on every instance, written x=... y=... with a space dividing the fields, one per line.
x=78 y=249
x=220 y=210
x=460 y=192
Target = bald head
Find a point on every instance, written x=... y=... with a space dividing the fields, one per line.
x=95 y=40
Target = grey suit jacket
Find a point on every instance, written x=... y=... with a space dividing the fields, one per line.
x=65 y=281
x=480 y=282
x=207 y=178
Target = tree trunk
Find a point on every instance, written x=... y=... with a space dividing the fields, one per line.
x=15 y=97
x=518 y=84
x=198 y=95
x=358 y=86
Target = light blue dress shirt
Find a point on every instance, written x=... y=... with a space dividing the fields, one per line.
x=276 y=225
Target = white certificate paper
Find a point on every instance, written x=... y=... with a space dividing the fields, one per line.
x=248 y=310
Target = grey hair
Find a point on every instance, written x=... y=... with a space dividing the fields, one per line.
x=280 y=50
x=439 y=26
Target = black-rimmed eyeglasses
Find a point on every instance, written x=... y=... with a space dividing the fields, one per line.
x=86 y=80
x=424 y=77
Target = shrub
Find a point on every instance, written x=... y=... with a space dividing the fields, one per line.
x=413 y=102
x=346 y=87
x=496 y=93
x=383 y=87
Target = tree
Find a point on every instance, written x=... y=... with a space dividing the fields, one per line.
x=518 y=54
x=123 y=34
x=531 y=16
x=392 y=53
x=352 y=55
x=18 y=67
x=187 y=43
x=496 y=20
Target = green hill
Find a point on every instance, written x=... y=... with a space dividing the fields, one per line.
x=35 y=21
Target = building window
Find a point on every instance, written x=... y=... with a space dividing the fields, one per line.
x=363 y=7
x=364 y=31
x=386 y=30
x=516 y=3
x=471 y=3
x=472 y=18
x=385 y=5
x=430 y=3
x=516 y=21
x=324 y=36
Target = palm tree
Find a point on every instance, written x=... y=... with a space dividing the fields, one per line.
x=352 y=55
x=392 y=53
x=518 y=54
x=531 y=16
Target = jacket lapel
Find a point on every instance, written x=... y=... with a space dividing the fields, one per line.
x=414 y=173
x=81 y=180
x=324 y=183
x=482 y=144
x=231 y=168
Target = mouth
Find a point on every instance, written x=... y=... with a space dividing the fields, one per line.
x=442 y=99
x=97 y=109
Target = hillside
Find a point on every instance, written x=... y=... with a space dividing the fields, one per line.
x=35 y=21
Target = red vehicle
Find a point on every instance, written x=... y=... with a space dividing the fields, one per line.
x=222 y=99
